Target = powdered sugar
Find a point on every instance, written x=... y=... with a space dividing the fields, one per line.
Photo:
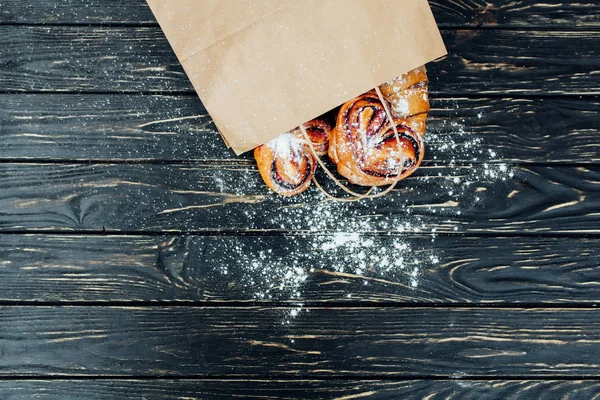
x=369 y=241
x=402 y=107
x=340 y=239
x=286 y=145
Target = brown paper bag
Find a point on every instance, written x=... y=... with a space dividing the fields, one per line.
x=263 y=67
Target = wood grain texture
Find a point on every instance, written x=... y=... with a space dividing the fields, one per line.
x=133 y=60
x=58 y=58
x=320 y=342
x=525 y=62
x=196 y=217
x=314 y=389
x=232 y=197
x=50 y=268
x=178 y=128
x=524 y=13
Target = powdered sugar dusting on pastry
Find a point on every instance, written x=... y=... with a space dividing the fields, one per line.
x=286 y=145
x=401 y=107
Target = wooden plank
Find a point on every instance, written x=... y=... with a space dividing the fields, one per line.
x=525 y=13
x=178 y=128
x=483 y=270
x=127 y=59
x=314 y=389
x=198 y=268
x=526 y=62
x=320 y=342
x=232 y=197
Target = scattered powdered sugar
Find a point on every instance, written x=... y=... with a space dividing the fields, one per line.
x=280 y=270
x=364 y=256
x=391 y=241
x=286 y=145
x=339 y=239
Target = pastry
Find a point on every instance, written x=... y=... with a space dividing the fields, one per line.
x=287 y=164
x=363 y=143
x=319 y=133
x=367 y=148
x=409 y=98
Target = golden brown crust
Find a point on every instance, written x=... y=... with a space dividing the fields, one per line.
x=319 y=133
x=286 y=164
x=363 y=143
x=409 y=97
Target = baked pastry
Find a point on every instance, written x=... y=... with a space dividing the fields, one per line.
x=409 y=98
x=363 y=143
x=319 y=133
x=368 y=148
x=287 y=164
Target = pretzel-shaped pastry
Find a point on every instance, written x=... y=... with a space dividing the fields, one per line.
x=363 y=143
x=286 y=163
x=319 y=133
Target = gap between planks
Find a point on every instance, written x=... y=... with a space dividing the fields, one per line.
x=292 y=304
x=289 y=233
x=316 y=378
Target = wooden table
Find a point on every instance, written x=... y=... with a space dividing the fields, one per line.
x=127 y=228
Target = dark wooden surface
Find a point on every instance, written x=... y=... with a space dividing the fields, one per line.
x=120 y=210
x=517 y=270
x=297 y=388
x=201 y=198
x=481 y=61
x=177 y=128
x=346 y=342
x=463 y=13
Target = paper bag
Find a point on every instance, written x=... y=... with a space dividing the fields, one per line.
x=263 y=67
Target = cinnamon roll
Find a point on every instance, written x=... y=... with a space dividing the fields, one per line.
x=409 y=98
x=319 y=133
x=286 y=163
x=363 y=144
